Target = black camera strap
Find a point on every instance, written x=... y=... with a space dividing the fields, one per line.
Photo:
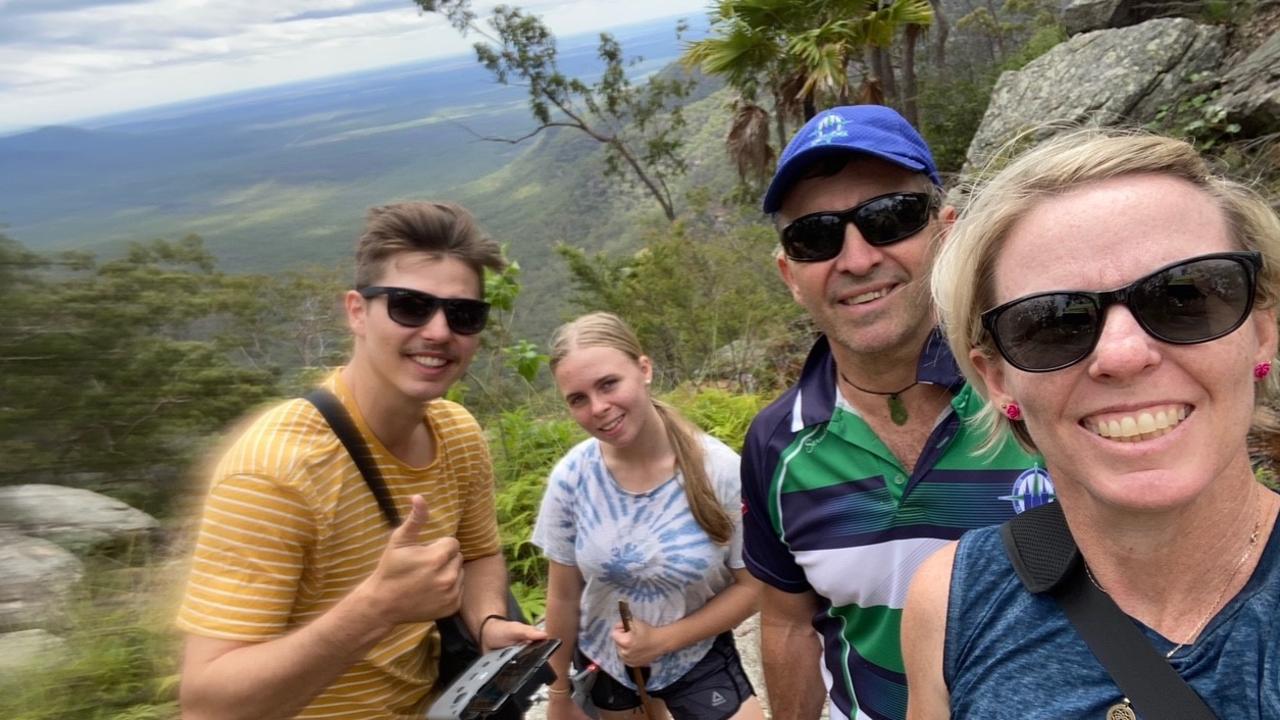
x=1046 y=558
x=345 y=428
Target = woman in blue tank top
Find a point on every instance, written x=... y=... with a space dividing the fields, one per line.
x=1114 y=300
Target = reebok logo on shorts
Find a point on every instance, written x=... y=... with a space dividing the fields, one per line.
x=717 y=699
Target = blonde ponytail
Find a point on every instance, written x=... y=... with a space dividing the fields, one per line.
x=686 y=441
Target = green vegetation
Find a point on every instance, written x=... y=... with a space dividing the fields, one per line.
x=553 y=194
x=704 y=298
x=1226 y=12
x=952 y=109
x=109 y=366
x=1199 y=119
x=121 y=653
x=952 y=103
x=1007 y=26
x=1045 y=35
x=525 y=448
x=797 y=57
x=722 y=414
x=801 y=53
x=104 y=363
x=641 y=129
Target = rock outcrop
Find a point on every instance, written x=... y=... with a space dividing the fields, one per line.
x=37 y=579
x=1080 y=16
x=1250 y=91
x=28 y=649
x=1108 y=77
x=42 y=527
x=78 y=520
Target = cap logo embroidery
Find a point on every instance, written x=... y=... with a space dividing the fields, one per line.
x=828 y=130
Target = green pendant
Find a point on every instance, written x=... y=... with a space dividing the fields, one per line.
x=897 y=411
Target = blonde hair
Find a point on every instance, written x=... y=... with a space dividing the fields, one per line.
x=964 y=272
x=602 y=329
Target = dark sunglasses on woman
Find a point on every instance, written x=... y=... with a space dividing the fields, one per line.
x=412 y=308
x=882 y=220
x=1191 y=301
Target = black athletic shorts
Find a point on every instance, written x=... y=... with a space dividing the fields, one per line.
x=713 y=689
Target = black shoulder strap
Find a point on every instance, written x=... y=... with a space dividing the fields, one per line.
x=1040 y=545
x=345 y=428
x=1045 y=556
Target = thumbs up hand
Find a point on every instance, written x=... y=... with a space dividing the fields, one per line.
x=407 y=533
x=416 y=582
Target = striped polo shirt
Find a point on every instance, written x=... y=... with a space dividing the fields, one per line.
x=830 y=509
x=289 y=528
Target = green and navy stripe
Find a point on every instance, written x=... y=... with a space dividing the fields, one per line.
x=830 y=509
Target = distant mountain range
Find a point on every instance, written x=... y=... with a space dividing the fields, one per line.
x=275 y=177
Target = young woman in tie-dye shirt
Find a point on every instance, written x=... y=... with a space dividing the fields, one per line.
x=646 y=510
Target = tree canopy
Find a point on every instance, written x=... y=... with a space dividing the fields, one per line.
x=640 y=127
x=799 y=56
x=114 y=373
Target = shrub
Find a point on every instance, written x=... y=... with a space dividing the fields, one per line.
x=525 y=448
x=122 y=661
x=951 y=110
x=723 y=415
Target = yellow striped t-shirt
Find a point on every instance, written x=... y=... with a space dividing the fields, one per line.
x=290 y=528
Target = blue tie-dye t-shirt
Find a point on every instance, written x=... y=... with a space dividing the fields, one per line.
x=645 y=548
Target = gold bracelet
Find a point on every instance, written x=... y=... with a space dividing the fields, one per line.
x=559 y=691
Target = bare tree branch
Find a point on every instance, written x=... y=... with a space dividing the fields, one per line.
x=514 y=141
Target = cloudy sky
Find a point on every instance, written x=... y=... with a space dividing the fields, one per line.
x=66 y=59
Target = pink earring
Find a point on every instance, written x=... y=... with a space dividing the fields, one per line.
x=1012 y=411
x=1262 y=369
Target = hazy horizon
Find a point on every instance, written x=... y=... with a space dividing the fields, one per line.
x=297 y=163
x=71 y=75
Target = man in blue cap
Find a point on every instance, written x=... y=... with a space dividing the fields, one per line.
x=865 y=466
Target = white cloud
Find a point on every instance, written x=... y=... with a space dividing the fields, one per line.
x=67 y=59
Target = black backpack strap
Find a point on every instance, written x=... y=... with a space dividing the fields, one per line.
x=1045 y=556
x=1040 y=546
x=345 y=428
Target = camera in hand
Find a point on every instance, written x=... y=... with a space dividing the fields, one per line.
x=499 y=685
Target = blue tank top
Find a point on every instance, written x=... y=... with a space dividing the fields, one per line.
x=1011 y=655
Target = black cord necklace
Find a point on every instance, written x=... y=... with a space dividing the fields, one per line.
x=897 y=411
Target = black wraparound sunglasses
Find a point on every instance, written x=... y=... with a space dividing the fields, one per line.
x=1191 y=301
x=882 y=220
x=412 y=308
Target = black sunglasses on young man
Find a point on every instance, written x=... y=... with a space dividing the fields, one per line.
x=882 y=220
x=412 y=308
x=1191 y=301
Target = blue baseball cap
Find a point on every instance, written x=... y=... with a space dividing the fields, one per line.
x=873 y=130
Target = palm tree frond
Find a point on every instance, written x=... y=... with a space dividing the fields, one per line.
x=748 y=141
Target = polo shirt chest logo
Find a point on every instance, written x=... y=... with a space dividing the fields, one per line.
x=1032 y=489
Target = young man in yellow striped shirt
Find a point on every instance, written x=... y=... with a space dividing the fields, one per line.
x=301 y=601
